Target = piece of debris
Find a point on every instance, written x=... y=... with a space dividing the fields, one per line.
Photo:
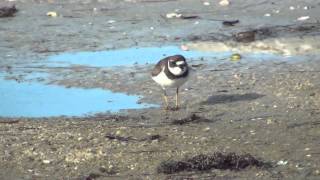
x=224 y=3
x=292 y=8
x=190 y=119
x=235 y=57
x=52 y=14
x=217 y=160
x=230 y=23
x=245 y=37
x=7 y=11
x=303 y=18
x=189 y=17
x=119 y=138
x=267 y=14
x=124 y=139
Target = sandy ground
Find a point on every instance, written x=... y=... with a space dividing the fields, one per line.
x=269 y=109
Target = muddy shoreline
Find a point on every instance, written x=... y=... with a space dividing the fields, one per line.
x=267 y=108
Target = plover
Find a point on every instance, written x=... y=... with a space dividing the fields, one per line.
x=171 y=72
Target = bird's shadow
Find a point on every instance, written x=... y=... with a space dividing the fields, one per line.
x=228 y=98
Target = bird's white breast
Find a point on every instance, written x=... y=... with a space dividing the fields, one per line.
x=164 y=81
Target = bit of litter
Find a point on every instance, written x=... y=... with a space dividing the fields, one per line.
x=306 y=8
x=303 y=18
x=281 y=162
x=52 y=14
x=173 y=15
x=267 y=15
x=224 y=3
x=292 y=8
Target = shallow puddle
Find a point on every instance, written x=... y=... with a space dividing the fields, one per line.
x=32 y=99
x=148 y=55
x=130 y=56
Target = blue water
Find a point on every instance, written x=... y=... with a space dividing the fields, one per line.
x=147 y=55
x=39 y=100
x=130 y=56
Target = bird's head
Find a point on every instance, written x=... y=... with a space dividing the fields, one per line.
x=177 y=65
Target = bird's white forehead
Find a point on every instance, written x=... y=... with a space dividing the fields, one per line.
x=180 y=63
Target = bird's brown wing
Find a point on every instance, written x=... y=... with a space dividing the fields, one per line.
x=158 y=67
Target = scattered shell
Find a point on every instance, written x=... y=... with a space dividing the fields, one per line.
x=303 y=18
x=276 y=11
x=173 y=15
x=111 y=21
x=281 y=162
x=267 y=15
x=46 y=161
x=224 y=3
x=292 y=8
x=308 y=155
x=52 y=14
x=306 y=8
x=206 y=3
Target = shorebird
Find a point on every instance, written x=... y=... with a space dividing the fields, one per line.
x=171 y=72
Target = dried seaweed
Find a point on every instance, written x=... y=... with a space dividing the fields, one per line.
x=8 y=11
x=229 y=161
x=190 y=119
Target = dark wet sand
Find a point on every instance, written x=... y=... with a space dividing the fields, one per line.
x=269 y=109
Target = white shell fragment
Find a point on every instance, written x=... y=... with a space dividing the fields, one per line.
x=224 y=3
x=303 y=18
x=281 y=162
x=173 y=15
x=206 y=3
x=52 y=14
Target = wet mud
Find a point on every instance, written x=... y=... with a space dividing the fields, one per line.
x=267 y=105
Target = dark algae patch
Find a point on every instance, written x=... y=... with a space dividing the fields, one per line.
x=217 y=160
x=8 y=11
